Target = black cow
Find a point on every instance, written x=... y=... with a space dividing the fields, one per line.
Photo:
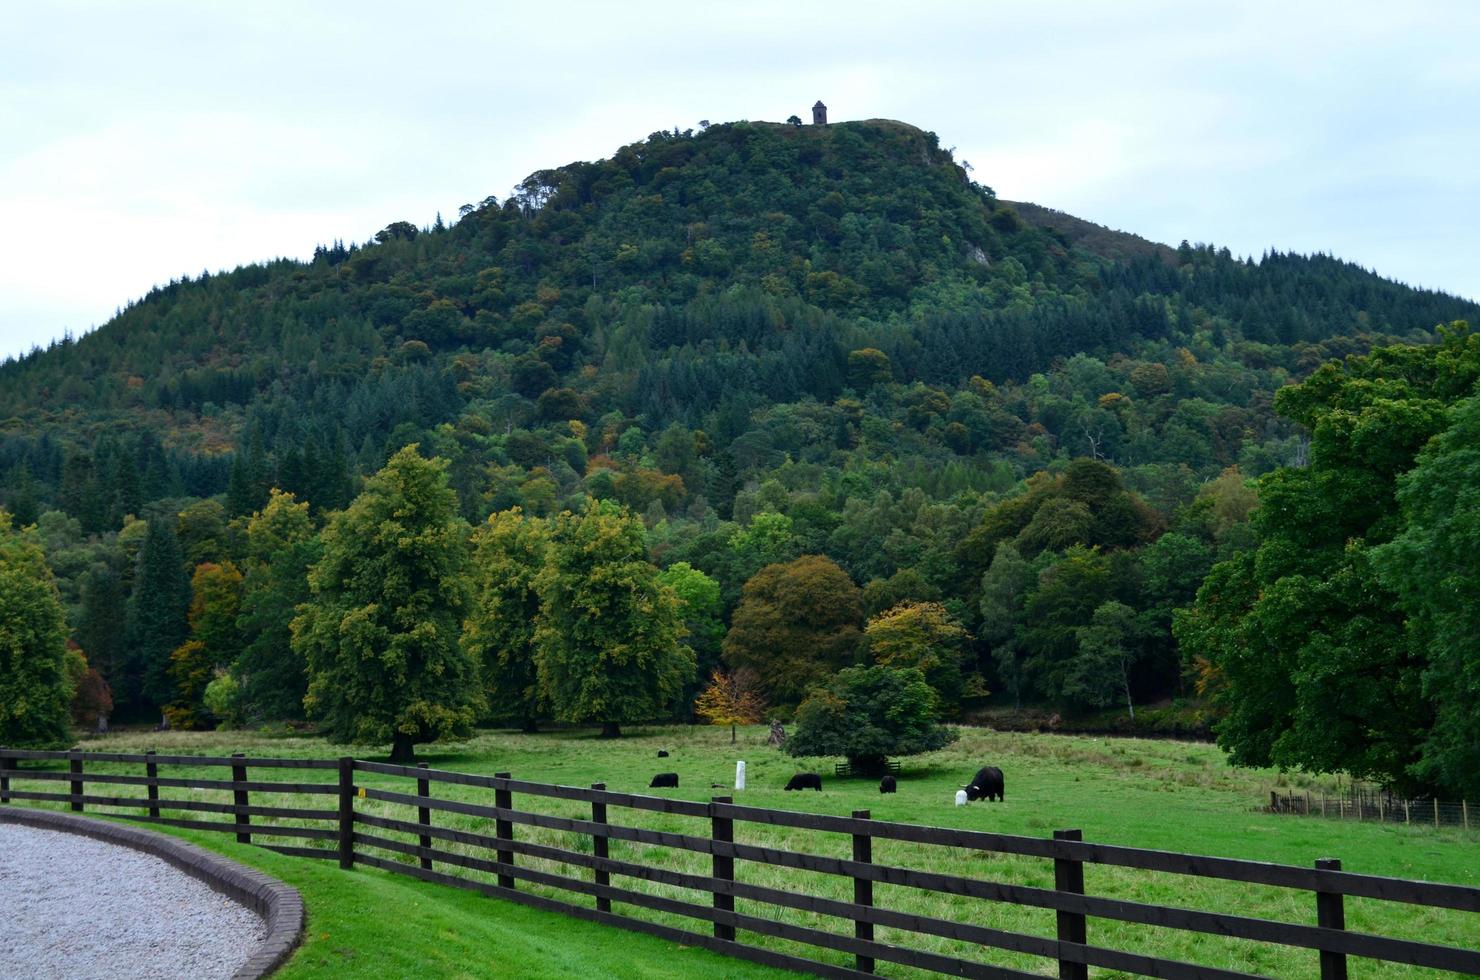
x=663 y=779
x=805 y=780
x=986 y=785
x=886 y=785
x=662 y=753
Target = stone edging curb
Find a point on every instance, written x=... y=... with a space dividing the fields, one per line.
x=277 y=903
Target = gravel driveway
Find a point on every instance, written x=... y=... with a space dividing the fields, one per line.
x=77 y=908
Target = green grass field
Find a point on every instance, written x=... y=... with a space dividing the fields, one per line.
x=1160 y=794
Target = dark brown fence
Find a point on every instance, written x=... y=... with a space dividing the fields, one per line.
x=249 y=822
x=413 y=834
x=1366 y=803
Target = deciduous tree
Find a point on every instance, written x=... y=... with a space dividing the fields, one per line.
x=869 y=714
x=1433 y=569
x=797 y=624
x=380 y=631
x=925 y=636
x=509 y=551
x=34 y=693
x=214 y=644
x=731 y=699
x=1107 y=649
x=609 y=632
x=1305 y=637
x=281 y=547
x=700 y=607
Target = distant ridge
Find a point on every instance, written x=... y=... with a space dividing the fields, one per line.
x=1099 y=239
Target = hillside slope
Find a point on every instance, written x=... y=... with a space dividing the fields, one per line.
x=768 y=341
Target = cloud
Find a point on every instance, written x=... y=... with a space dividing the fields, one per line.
x=144 y=141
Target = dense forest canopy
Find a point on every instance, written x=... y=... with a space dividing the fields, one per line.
x=817 y=351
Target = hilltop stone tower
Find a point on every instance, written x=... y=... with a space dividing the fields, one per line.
x=819 y=114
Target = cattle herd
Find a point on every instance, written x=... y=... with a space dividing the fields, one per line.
x=987 y=784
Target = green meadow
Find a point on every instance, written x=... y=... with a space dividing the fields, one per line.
x=1167 y=795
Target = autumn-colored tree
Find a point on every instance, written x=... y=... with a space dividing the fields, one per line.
x=508 y=554
x=92 y=701
x=609 y=631
x=731 y=699
x=216 y=592
x=796 y=625
x=923 y=635
x=380 y=631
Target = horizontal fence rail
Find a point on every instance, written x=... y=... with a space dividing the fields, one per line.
x=697 y=872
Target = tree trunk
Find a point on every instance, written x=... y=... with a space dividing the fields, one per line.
x=611 y=729
x=867 y=765
x=1126 y=679
x=732 y=733
x=402 y=752
x=530 y=726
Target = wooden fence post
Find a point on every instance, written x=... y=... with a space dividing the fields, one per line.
x=151 y=773
x=1464 y=809
x=1436 y=811
x=599 y=846
x=241 y=798
x=424 y=815
x=504 y=829
x=722 y=831
x=863 y=892
x=74 y=764
x=1331 y=914
x=4 y=777
x=346 y=812
x=1068 y=877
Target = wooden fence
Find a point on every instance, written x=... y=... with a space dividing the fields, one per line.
x=418 y=841
x=1372 y=804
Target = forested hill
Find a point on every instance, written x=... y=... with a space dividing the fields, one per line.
x=744 y=262
x=765 y=340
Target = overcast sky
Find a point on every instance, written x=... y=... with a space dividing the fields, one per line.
x=144 y=140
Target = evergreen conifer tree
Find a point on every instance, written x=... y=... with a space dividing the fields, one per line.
x=157 y=621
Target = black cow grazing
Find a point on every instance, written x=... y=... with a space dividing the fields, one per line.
x=662 y=753
x=805 y=780
x=886 y=785
x=663 y=779
x=986 y=785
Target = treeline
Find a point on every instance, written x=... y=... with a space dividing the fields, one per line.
x=1062 y=592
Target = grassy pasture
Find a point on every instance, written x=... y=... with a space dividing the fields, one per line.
x=1167 y=795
